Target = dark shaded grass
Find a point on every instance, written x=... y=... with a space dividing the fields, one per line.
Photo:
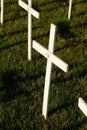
x=22 y=81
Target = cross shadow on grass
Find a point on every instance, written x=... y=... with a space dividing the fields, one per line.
x=9 y=46
x=75 y=124
x=9 y=86
x=64 y=30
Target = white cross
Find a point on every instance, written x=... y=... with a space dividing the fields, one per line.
x=83 y=106
x=31 y=12
x=2 y=11
x=51 y=58
x=70 y=8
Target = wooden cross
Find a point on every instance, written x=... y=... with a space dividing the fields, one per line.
x=2 y=11
x=83 y=106
x=31 y=12
x=70 y=8
x=51 y=58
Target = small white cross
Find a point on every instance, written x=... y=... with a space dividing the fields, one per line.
x=70 y=8
x=31 y=12
x=83 y=106
x=2 y=11
x=51 y=58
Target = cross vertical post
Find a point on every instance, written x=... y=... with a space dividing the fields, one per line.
x=48 y=71
x=31 y=12
x=30 y=31
x=70 y=8
x=51 y=58
x=2 y=10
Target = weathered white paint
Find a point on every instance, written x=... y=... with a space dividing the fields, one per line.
x=83 y=106
x=70 y=8
x=2 y=11
x=31 y=12
x=51 y=58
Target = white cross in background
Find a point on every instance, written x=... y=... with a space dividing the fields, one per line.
x=70 y=8
x=31 y=12
x=83 y=106
x=51 y=58
x=2 y=11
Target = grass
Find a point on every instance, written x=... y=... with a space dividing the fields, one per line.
x=22 y=81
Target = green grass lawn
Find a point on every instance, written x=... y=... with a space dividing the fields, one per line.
x=22 y=81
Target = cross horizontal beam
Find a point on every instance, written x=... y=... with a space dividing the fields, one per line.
x=29 y=9
x=47 y=54
x=83 y=106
